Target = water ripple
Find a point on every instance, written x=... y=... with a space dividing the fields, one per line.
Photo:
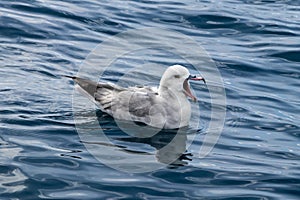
x=254 y=44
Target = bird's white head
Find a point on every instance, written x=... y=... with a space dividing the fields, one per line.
x=176 y=78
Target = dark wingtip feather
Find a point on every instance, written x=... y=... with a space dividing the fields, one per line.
x=72 y=77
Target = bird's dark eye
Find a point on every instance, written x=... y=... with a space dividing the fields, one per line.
x=176 y=76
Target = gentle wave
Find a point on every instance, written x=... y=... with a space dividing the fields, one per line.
x=254 y=45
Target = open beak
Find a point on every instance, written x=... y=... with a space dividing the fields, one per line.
x=186 y=86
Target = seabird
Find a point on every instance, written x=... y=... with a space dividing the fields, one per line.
x=165 y=107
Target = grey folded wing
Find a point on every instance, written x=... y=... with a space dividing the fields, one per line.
x=127 y=104
x=133 y=103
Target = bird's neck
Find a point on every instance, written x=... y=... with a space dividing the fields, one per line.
x=167 y=93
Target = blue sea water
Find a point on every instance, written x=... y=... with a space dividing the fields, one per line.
x=255 y=44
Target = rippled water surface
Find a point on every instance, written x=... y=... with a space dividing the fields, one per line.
x=254 y=44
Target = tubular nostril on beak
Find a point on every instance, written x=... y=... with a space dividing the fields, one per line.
x=195 y=78
x=191 y=76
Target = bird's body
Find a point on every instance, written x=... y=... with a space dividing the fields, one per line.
x=164 y=107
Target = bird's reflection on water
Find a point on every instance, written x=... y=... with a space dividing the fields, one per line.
x=170 y=146
x=137 y=145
